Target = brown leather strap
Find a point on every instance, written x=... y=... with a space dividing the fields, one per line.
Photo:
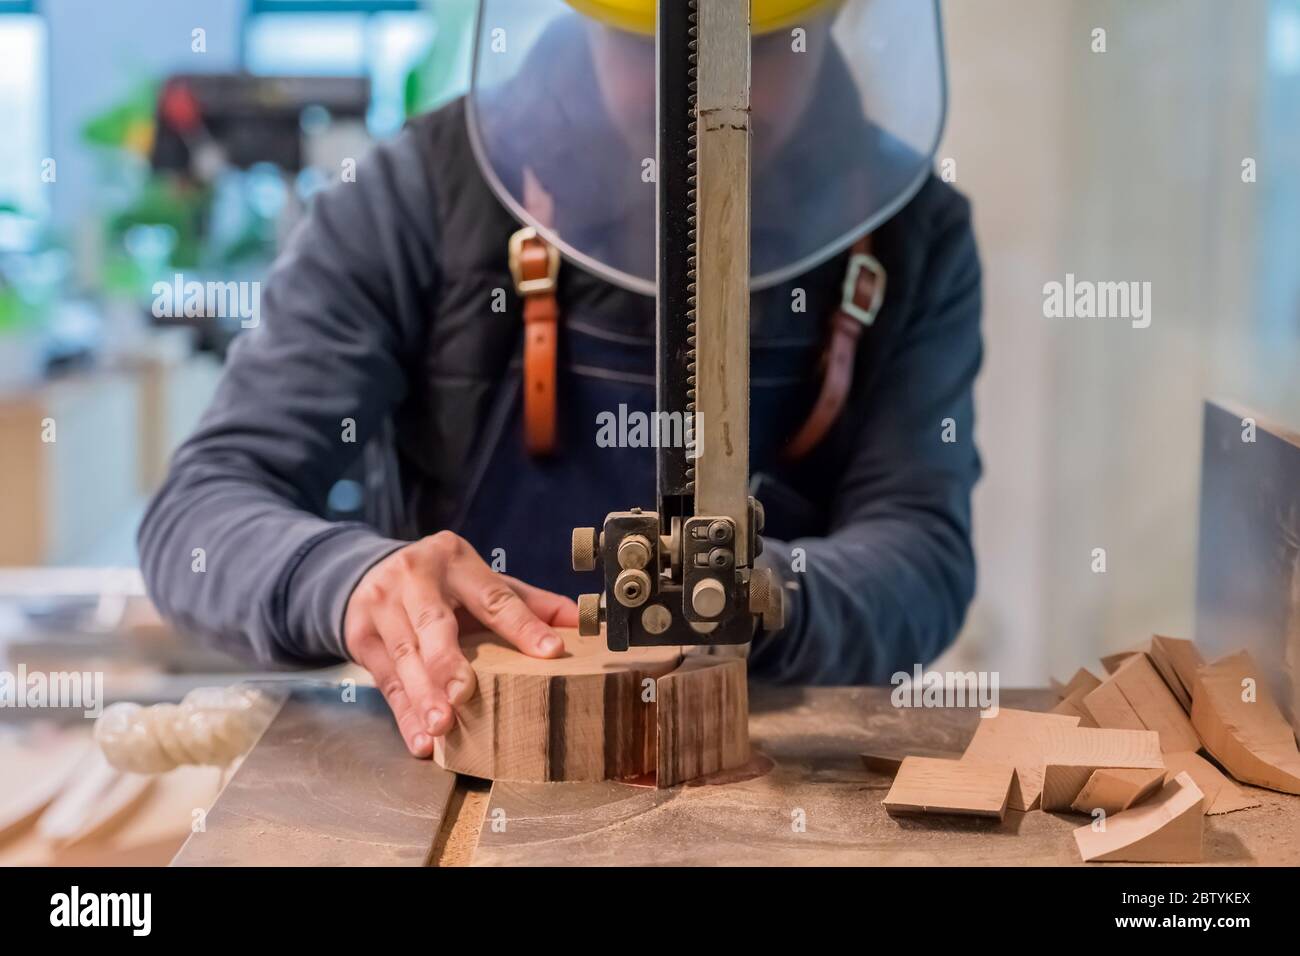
x=864 y=293
x=534 y=264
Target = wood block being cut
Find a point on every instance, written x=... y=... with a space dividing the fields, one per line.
x=1166 y=829
x=1136 y=697
x=1241 y=725
x=962 y=787
x=1018 y=738
x=584 y=716
x=1073 y=754
x=1177 y=661
x=702 y=718
x=1113 y=789
x=1221 y=794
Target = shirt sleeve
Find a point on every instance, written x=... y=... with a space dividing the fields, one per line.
x=889 y=586
x=234 y=547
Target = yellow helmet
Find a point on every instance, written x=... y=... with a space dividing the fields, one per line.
x=638 y=16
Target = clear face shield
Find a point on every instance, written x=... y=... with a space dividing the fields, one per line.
x=848 y=103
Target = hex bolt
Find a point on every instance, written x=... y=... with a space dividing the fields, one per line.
x=720 y=558
x=719 y=531
x=632 y=587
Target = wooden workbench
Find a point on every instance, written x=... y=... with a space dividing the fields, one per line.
x=330 y=783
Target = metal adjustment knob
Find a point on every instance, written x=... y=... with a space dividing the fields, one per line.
x=709 y=598
x=584 y=549
x=589 y=615
x=634 y=551
x=767 y=599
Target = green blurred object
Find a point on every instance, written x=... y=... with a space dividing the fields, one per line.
x=442 y=73
x=129 y=125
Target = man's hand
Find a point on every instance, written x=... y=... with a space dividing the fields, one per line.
x=404 y=621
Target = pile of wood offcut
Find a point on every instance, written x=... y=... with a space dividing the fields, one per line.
x=1126 y=750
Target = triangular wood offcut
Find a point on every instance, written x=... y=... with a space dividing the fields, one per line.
x=1177 y=661
x=1168 y=828
x=965 y=788
x=1250 y=738
x=1135 y=697
x=1018 y=738
x=1221 y=794
x=1071 y=704
x=1114 y=789
x=1111 y=662
x=1074 y=753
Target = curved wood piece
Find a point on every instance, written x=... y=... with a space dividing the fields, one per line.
x=1166 y=829
x=1249 y=737
x=589 y=715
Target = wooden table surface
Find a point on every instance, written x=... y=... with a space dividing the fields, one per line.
x=333 y=785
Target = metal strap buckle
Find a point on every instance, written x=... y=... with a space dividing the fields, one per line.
x=857 y=262
x=541 y=285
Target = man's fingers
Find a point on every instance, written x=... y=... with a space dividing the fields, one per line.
x=371 y=654
x=428 y=699
x=494 y=602
x=438 y=633
x=555 y=609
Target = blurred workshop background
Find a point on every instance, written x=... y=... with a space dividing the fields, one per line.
x=1127 y=163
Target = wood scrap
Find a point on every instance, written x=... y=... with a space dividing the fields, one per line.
x=1246 y=734
x=1071 y=705
x=1018 y=738
x=1074 y=753
x=1177 y=660
x=1136 y=697
x=37 y=771
x=963 y=787
x=887 y=761
x=1168 y=828
x=1114 y=789
x=702 y=718
x=1111 y=662
x=584 y=716
x=1221 y=794
x=96 y=798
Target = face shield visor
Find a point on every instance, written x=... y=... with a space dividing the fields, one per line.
x=847 y=100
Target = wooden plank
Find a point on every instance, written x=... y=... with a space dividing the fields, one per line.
x=702 y=719
x=585 y=716
x=1112 y=789
x=1073 y=755
x=963 y=787
x=37 y=771
x=1221 y=794
x=1155 y=705
x=810 y=802
x=1247 y=735
x=1169 y=828
x=1018 y=738
x=329 y=784
x=1177 y=661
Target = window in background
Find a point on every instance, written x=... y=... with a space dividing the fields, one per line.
x=23 y=108
x=381 y=39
